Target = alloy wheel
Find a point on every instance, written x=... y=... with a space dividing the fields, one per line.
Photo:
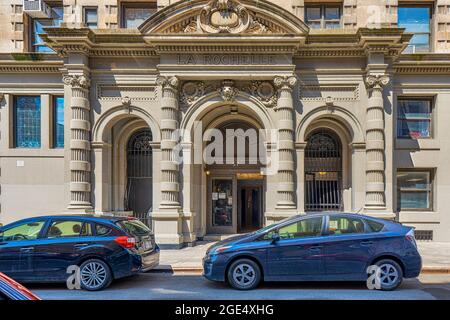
x=93 y=275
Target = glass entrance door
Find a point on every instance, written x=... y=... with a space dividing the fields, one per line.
x=222 y=211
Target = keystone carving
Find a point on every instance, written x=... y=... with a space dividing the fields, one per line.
x=228 y=91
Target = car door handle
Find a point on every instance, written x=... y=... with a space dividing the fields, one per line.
x=316 y=248
x=366 y=243
x=26 y=249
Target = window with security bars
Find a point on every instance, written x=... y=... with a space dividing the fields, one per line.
x=27 y=122
x=324 y=16
x=58 y=122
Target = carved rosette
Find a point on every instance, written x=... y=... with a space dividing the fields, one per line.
x=80 y=126
x=375 y=144
x=191 y=91
x=264 y=91
x=286 y=167
x=169 y=123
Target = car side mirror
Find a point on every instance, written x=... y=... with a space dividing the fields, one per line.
x=275 y=237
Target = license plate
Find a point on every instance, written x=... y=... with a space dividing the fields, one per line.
x=147 y=245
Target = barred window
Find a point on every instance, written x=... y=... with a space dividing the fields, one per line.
x=414 y=190
x=27 y=122
x=414 y=118
x=58 y=122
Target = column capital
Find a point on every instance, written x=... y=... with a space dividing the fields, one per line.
x=171 y=82
x=377 y=81
x=285 y=82
x=74 y=80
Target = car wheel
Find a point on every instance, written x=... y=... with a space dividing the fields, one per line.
x=244 y=274
x=95 y=275
x=390 y=275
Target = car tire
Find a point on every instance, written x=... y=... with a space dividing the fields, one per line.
x=95 y=275
x=390 y=273
x=244 y=274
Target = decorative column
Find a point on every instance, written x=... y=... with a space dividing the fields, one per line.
x=169 y=123
x=375 y=143
x=80 y=151
x=286 y=149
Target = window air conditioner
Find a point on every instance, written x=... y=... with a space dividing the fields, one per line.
x=36 y=8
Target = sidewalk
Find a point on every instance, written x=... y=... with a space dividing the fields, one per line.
x=435 y=257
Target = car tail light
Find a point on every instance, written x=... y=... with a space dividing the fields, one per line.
x=410 y=237
x=126 y=242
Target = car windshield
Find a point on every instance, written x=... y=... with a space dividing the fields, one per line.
x=262 y=230
x=134 y=227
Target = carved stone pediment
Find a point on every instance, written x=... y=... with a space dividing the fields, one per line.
x=223 y=17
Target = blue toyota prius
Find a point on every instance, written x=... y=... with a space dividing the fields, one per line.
x=318 y=247
x=99 y=249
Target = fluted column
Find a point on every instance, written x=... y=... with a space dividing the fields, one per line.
x=375 y=143
x=169 y=123
x=80 y=151
x=286 y=149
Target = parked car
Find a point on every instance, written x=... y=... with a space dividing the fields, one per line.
x=11 y=290
x=317 y=247
x=104 y=248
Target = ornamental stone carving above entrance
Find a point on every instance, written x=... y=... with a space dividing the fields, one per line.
x=263 y=91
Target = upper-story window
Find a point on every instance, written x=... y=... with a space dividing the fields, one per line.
x=90 y=17
x=324 y=16
x=58 y=122
x=414 y=118
x=134 y=14
x=27 y=122
x=416 y=19
x=38 y=26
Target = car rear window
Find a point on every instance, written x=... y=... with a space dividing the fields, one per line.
x=374 y=226
x=134 y=227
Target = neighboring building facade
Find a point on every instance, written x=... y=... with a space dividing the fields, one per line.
x=91 y=109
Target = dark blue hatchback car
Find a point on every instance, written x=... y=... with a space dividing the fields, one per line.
x=104 y=248
x=317 y=247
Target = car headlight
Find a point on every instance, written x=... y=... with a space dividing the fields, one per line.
x=220 y=249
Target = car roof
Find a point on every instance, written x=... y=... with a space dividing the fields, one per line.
x=90 y=217
x=337 y=214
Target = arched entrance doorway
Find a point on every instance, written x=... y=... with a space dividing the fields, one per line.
x=139 y=188
x=323 y=172
x=236 y=185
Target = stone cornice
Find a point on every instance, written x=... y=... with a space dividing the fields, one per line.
x=28 y=63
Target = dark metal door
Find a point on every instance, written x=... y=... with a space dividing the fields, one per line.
x=139 y=191
x=323 y=172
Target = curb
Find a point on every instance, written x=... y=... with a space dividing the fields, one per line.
x=435 y=270
x=199 y=270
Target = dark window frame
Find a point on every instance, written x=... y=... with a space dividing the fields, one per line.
x=322 y=19
x=430 y=119
x=125 y=5
x=53 y=139
x=90 y=8
x=421 y=4
x=430 y=190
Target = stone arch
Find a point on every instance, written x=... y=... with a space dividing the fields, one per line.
x=115 y=114
x=213 y=100
x=346 y=124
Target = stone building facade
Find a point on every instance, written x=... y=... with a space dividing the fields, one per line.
x=97 y=95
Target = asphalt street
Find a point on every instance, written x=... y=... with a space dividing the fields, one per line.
x=153 y=286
